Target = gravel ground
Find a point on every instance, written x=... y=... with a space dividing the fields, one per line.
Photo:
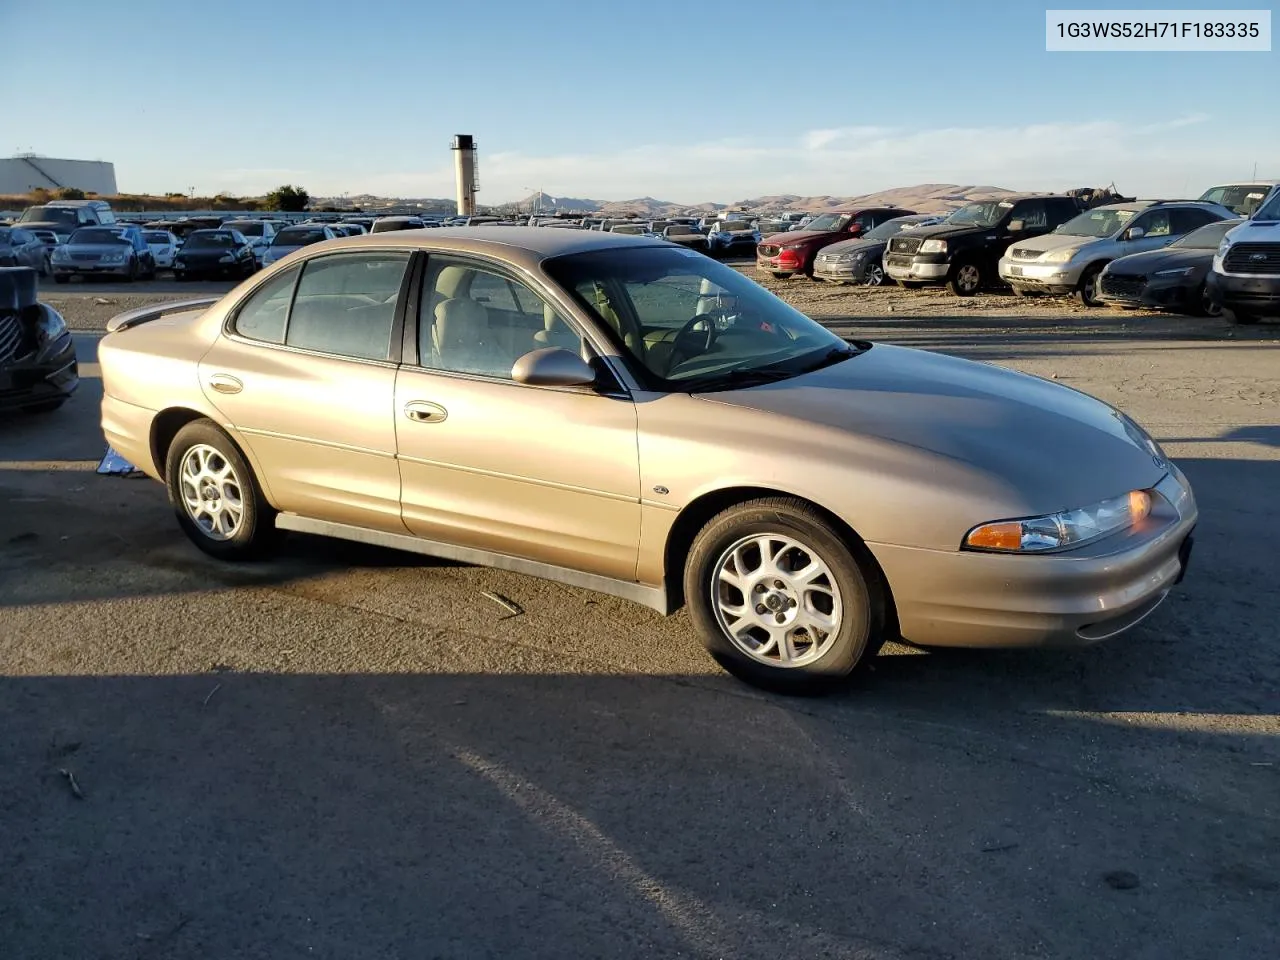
x=349 y=752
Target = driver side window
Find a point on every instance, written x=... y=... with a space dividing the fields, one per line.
x=1155 y=223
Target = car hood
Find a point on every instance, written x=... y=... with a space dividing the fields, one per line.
x=1053 y=447
x=792 y=237
x=1164 y=259
x=1056 y=241
x=853 y=246
x=98 y=248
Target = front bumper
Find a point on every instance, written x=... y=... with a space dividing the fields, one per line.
x=72 y=268
x=40 y=379
x=1039 y=277
x=840 y=271
x=1157 y=294
x=1258 y=295
x=900 y=267
x=1075 y=598
x=213 y=269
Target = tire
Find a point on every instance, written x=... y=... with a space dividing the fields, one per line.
x=46 y=266
x=47 y=407
x=1244 y=319
x=965 y=279
x=1087 y=288
x=202 y=449
x=873 y=275
x=848 y=572
x=132 y=275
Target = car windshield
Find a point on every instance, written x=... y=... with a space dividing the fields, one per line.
x=829 y=222
x=692 y=323
x=156 y=237
x=888 y=229
x=1098 y=222
x=1270 y=210
x=60 y=215
x=1207 y=237
x=297 y=237
x=98 y=235
x=250 y=228
x=981 y=213
x=679 y=230
x=627 y=229
x=209 y=241
x=1243 y=198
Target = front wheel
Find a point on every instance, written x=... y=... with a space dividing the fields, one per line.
x=215 y=495
x=873 y=276
x=780 y=600
x=1087 y=290
x=965 y=279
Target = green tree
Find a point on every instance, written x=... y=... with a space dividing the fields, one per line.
x=288 y=197
x=69 y=193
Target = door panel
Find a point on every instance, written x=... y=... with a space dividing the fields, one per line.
x=545 y=474
x=321 y=429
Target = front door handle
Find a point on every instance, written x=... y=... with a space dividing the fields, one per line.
x=421 y=411
x=225 y=383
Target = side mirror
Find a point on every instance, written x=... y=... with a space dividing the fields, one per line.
x=553 y=367
x=1017 y=226
x=1134 y=233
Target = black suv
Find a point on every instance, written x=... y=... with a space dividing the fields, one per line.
x=963 y=251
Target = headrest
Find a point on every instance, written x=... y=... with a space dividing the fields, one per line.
x=462 y=313
x=17 y=289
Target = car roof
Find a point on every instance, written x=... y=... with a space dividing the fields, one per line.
x=526 y=244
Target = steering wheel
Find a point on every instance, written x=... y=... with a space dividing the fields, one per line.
x=689 y=340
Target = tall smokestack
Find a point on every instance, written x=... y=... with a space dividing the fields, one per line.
x=464 y=165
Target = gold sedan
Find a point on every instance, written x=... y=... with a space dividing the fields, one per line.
x=632 y=417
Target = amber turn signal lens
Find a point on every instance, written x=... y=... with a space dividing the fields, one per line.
x=997 y=536
x=1139 y=505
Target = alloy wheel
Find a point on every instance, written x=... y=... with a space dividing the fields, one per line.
x=776 y=600
x=873 y=276
x=967 y=277
x=211 y=492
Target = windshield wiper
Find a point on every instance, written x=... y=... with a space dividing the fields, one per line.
x=736 y=379
x=834 y=356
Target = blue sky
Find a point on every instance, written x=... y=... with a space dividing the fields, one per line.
x=688 y=101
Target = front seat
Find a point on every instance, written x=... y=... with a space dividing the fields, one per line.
x=461 y=339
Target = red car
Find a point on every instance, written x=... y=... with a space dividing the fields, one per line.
x=784 y=254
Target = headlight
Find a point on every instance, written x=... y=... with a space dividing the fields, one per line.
x=60 y=254
x=1061 y=255
x=1180 y=272
x=1070 y=528
x=933 y=246
x=227 y=258
x=1223 y=247
x=51 y=325
x=112 y=257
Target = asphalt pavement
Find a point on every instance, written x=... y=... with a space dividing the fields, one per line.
x=349 y=752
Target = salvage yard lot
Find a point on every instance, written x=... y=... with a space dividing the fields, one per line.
x=348 y=752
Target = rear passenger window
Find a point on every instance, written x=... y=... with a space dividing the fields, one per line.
x=1186 y=219
x=264 y=314
x=346 y=305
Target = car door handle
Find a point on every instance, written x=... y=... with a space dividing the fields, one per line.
x=421 y=411
x=225 y=383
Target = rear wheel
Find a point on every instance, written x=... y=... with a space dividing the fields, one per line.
x=964 y=279
x=1087 y=289
x=215 y=495
x=780 y=600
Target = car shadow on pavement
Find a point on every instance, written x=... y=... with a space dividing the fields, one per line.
x=549 y=815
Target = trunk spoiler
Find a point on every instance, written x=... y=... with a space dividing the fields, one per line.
x=132 y=318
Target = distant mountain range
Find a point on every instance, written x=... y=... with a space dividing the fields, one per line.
x=922 y=198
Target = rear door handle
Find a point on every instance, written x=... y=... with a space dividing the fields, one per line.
x=422 y=411
x=225 y=383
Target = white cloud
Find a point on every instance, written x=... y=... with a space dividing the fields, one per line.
x=1162 y=157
